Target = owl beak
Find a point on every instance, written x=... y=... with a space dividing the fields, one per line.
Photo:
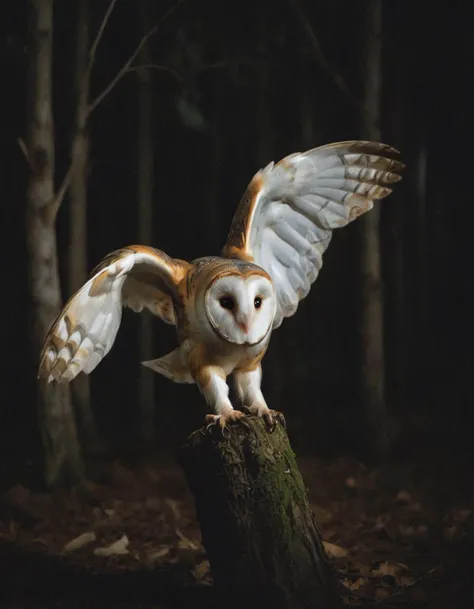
x=243 y=326
x=242 y=322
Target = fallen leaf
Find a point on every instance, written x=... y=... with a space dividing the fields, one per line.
x=41 y=542
x=386 y=568
x=161 y=552
x=117 y=548
x=405 y=580
x=354 y=584
x=185 y=543
x=351 y=482
x=80 y=541
x=335 y=551
x=404 y=497
x=201 y=570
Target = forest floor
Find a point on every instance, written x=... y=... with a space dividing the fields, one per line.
x=400 y=535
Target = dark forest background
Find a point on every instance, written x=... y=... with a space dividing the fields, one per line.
x=234 y=85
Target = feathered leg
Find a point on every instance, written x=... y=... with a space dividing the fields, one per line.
x=211 y=380
x=248 y=389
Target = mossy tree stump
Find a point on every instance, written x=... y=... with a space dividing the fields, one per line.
x=256 y=522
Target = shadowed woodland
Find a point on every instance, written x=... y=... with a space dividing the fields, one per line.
x=143 y=122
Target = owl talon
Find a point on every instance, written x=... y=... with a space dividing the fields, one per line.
x=270 y=421
x=271 y=417
x=231 y=416
x=280 y=417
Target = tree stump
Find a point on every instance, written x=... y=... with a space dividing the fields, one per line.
x=256 y=522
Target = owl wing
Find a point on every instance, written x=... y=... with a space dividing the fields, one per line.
x=285 y=219
x=85 y=330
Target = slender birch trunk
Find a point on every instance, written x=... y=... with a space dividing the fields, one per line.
x=62 y=457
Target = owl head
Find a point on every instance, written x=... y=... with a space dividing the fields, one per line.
x=240 y=304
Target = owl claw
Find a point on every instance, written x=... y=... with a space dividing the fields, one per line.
x=271 y=417
x=231 y=416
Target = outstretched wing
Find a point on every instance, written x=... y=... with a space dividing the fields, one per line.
x=285 y=219
x=85 y=330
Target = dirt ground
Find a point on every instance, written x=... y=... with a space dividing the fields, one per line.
x=401 y=535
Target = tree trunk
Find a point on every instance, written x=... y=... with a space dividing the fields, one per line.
x=372 y=322
x=256 y=522
x=145 y=183
x=77 y=255
x=62 y=459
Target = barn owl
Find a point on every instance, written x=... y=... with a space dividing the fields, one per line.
x=225 y=308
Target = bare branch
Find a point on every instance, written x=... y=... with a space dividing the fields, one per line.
x=24 y=149
x=170 y=11
x=214 y=66
x=123 y=70
x=98 y=37
x=62 y=190
x=335 y=76
x=127 y=65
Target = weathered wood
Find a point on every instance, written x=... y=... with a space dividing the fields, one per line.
x=256 y=521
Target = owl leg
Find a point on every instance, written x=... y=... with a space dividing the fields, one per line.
x=248 y=389
x=212 y=383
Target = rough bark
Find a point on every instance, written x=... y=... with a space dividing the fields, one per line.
x=372 y=319
x=256 y=522
x=62 y=457
x=145 y=183
x=77 y=254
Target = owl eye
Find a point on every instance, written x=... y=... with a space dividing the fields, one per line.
x=227 y=302
x=257 y=302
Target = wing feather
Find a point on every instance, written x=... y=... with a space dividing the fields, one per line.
x=285 y=219
x=137 y=277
